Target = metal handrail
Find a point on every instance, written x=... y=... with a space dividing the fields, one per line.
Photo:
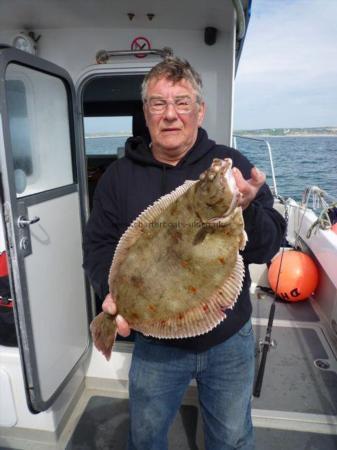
x=103 y=56
x=270 y=157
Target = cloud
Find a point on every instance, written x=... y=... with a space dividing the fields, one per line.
x=289 y=61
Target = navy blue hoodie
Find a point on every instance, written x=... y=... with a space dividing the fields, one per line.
x=132 y=183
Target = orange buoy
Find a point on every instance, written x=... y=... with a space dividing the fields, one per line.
x=298 y=277
x=334 y=228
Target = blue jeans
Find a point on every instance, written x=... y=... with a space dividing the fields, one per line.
x=159 y=376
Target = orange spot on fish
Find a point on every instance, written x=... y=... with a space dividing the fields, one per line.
x=205 y=308
x=192 y=289
x=152 y=308
x=221 y=260
x=184 y=264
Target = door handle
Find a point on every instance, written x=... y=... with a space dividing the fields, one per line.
x=23 y=221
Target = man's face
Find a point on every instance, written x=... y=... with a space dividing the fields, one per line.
x=172 y=133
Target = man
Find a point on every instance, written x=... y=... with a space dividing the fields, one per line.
x=222 y=360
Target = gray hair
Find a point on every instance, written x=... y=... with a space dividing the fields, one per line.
x=174 y=69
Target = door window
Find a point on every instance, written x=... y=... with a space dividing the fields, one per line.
x=39 y=130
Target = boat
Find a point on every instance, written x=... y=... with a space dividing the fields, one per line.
x=65 y=65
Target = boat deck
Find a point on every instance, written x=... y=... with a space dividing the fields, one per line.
x=299 y=390
x=298 y=403
x=297 y=407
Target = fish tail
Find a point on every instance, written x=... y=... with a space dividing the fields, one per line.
x=103 y=331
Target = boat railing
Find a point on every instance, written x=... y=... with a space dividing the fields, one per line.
x=323 y=205
x=319 y=198
x=270 y=155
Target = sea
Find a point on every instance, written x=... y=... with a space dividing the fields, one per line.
x=299 y=162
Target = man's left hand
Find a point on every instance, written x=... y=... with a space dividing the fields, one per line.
x=248 y=188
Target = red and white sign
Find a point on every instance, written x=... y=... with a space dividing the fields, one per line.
x=140 y=43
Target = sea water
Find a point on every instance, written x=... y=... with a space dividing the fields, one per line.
x=299 y=162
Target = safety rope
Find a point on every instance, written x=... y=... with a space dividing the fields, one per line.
x=323 y=221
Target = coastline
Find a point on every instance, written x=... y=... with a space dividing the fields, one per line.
x=288 y=132
x=93 y=136
x=290 y=135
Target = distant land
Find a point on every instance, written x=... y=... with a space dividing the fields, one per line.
x=108 y=134
x=266 y=132
x=289 y=132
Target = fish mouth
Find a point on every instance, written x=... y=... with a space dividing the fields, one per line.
x=233 y=187
x=228 y=178
x=236 y=196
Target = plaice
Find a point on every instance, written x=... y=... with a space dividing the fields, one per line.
x=177 y=268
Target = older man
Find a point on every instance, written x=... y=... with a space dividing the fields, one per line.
x=222 y=360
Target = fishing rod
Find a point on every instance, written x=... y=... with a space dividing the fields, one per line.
x=268 y=341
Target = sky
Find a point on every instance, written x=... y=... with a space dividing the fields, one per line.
x=287 y=75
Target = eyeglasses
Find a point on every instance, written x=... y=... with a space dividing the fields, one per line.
x=182 y=105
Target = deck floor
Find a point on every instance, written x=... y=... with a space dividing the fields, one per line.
x=299 y=391
x=294 y=379
x=104 y=425
x=293 y=384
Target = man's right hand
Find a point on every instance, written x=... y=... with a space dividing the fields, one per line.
x=109 y=307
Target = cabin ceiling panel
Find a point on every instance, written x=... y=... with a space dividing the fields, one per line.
x=50 y=14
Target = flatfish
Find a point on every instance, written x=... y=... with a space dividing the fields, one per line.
x=177 y=268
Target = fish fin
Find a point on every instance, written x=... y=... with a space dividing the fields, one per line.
x=209 y=227
x=103 y=331
x=223 y=221
x=201 y=234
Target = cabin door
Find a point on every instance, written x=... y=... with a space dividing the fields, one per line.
x=41 y=184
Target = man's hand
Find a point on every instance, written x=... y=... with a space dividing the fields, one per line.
x=109 y=307
x=248 y=188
